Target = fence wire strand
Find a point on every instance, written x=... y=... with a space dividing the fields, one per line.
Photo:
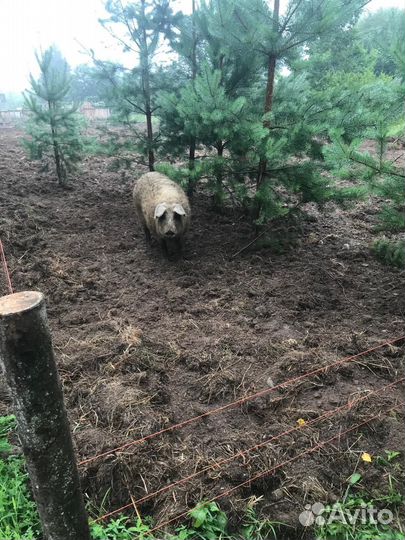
x=270 y=471
x=219 y=464
x=239 y=402
x=5 y=268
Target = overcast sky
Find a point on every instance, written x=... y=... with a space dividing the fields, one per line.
x=27 y=25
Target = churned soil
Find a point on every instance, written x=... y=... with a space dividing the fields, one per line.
x=143 y=343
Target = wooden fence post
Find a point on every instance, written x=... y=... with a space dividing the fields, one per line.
x=27 y=355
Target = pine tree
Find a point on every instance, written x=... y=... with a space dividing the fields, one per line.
x=207 y=110
x=383 y=35
x=373 y=109
x=247 y=42
x=279 y=39
x=185 y=43
x=390 y=252
x=132 y=91
x=87 y=85
x=54 y=127
x=358 y=101
x=259 y=132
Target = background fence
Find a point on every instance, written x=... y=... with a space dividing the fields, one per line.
x=12 y=118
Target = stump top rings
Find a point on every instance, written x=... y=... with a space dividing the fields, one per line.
x=20 y=302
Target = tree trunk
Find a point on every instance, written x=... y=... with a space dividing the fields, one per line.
x=191 y=166
x=60 y=172
x=268 y=104
x=191 y=155
x=219 y=177
x=271 y=73
x=149 y=128
x=144 y=58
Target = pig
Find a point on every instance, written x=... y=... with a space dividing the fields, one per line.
x=163 y=210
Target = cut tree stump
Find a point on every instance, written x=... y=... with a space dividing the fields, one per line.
x=29 y=364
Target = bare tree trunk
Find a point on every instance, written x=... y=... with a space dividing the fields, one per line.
x=60 y=172
x=144 y=58
x=220 y=148
x=219 y=177
x=149 y=128
x=268 y=104
x=191 y=155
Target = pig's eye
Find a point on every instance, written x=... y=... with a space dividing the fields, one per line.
x=162 y=217
x=177 y=217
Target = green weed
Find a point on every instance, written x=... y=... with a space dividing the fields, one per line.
x=18 y=514
x=351 y=517
x=357 y=516
x=255 y=528
x=118 y=529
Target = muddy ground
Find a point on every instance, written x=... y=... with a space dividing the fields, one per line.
x=143 y=343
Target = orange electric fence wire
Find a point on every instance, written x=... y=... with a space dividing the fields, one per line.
x=219 y=464
x=276 y=467
x=5 y=268
x=241 y=401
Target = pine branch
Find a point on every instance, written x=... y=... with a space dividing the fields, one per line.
x=289 y=16
x=131 y=31
x=114 y=35
x=100 y=64
x=379 y=170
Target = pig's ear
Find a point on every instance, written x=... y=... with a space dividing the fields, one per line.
x=160 y=210
x=178 y=209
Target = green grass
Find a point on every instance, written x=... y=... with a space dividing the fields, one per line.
x=349 y=518
x=207 y=522
x=18 y=514
x=120 y=529
x=7 y=424
x=19 y=519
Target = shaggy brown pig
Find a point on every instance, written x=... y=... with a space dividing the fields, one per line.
x=163 y=210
